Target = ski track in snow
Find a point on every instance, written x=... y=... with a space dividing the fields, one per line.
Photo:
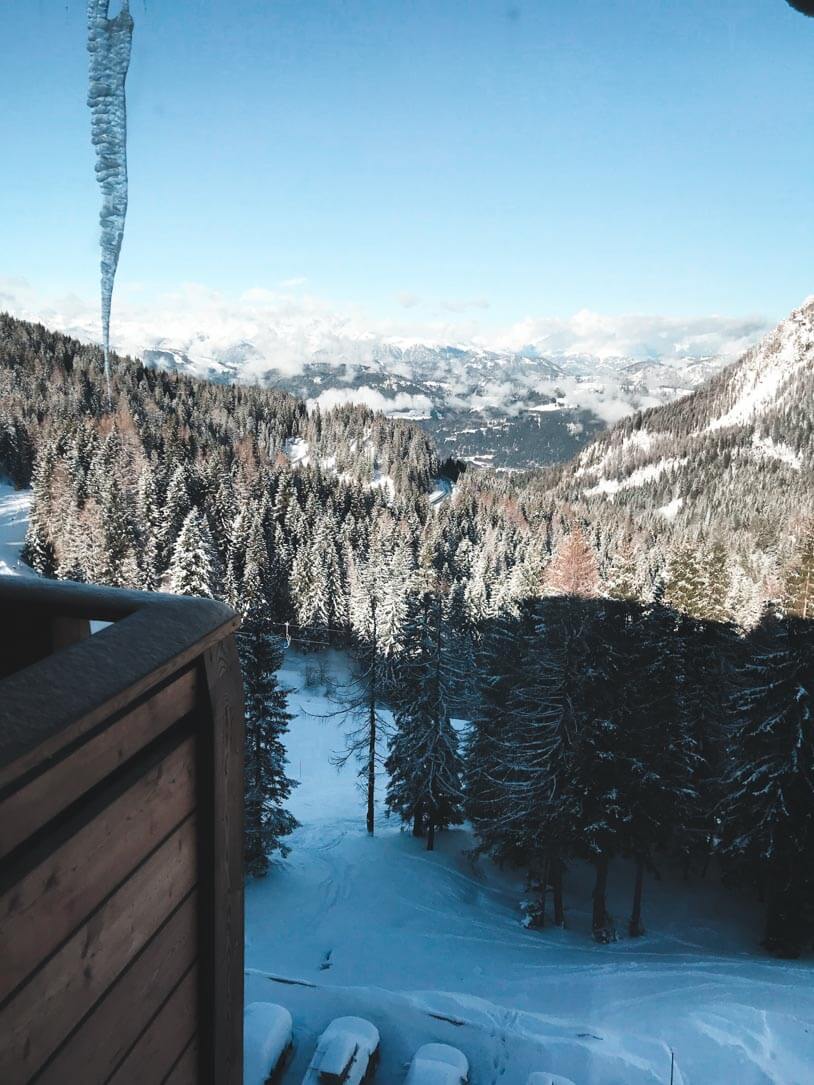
x=429 y=946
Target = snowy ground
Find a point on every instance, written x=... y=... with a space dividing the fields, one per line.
x=430 y=948
x=14 y=505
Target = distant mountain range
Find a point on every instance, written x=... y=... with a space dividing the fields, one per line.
x=499 y=409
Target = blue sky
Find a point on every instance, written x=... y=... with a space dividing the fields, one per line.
x=425 y=157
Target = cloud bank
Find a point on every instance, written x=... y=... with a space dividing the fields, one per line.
x=285 y=328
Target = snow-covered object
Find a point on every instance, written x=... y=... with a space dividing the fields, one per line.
x=344 y=1053
x=538 y=1078
x=267 y=1030
x=109 y=44
x=438 y=1064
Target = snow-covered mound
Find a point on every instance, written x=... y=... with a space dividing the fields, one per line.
x=267 y=1030
x=429 y=947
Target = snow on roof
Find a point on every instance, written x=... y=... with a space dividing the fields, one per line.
x=267 y=1030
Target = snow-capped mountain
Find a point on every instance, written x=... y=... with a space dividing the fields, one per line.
x=741 y=445
x=499 y=408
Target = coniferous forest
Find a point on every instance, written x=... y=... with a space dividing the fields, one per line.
x=637 y=687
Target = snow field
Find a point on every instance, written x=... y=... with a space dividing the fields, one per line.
x=14 y=506
x=429 y=947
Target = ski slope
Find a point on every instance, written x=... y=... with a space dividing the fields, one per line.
x=430 y=947
x=14 y=506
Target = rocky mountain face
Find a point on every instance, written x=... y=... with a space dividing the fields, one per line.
x=739 y=450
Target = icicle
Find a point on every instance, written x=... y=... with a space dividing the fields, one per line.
x=109 y=43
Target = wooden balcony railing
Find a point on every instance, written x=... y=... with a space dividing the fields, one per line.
x=121 y=810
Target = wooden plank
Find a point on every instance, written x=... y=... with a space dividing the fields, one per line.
x=67 y=631
x=167 y=1035
x=221 y=1031
x=105 y=1036
x=52 y=900
x=36 y=802
x=47 y=707
x=56 y=998
x=185 y=1071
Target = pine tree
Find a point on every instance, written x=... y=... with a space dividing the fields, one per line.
x=600 y=771
x=768 y=813
x=118 y=563
x=360 y=700
x=659 y=751
x=176 y=509
x=194 y=566
x=425 y=786
x=267 y=787
x=149 y=525
x=798 y=587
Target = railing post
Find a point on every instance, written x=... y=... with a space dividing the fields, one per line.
x=221 y=868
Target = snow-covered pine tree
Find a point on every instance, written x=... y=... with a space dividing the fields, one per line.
x=39 y=549
x=117 y=563
x=176 y=508
x=425 y=786
x=194 y=568
x=798 y=586
x=149 y=522
x=768 y=812
x=266 y=785
x=686 y=583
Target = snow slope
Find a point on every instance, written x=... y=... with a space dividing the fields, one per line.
x=430 y=948
x=14 y=506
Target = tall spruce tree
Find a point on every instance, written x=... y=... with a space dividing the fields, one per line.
x=425 y=786
x=768 y=813
x=194 y=568
x=267 y=787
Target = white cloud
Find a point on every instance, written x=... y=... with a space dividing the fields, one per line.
x=464 y=306
x=277 y=329
x=408 y=300
x=634 y=335
x=401 y=403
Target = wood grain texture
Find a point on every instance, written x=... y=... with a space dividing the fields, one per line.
x=40 y=799
x=222 y=1044
x=165 y=1038
x=185 y=1071
x=54 y=898
x=104 y=1037
x=45 y=1010
x=49 y=705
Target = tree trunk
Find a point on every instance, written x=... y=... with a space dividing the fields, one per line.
x=418 y=823
x=635 y=928
x=601 y=922
x=371 y=750
x=430 y=835
x=556 y=886
x=544 y=880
